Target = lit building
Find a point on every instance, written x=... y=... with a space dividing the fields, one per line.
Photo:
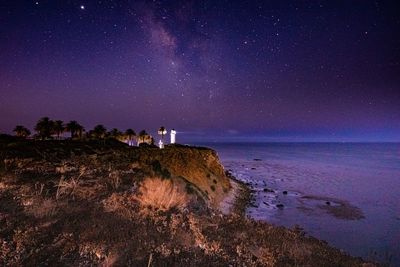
x=161 y=144
x=173 y=134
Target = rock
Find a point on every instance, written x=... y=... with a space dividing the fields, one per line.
x=257 y=159
x=328 y=203
x=268 y=190
x=284 y=192
x=280 y=206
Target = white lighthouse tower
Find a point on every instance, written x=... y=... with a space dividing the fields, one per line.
x=173 y=134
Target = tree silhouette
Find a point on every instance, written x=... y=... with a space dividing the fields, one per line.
x=115 y=133
x=21 y=131
x=44 y=128
x=130 y=134
x=142 y=135
x=74 y=128
x=162 y=131
x=58 y=128
x=79 y=131
x=99 y=131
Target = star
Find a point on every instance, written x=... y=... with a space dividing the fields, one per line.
x=82 y=7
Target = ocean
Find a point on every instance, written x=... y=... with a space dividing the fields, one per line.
x=347 y=194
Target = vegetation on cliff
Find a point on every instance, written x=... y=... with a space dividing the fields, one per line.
x=105 y=203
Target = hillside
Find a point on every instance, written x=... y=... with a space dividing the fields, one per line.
x=73 y=203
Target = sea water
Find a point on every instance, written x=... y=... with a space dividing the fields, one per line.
x=295 y=182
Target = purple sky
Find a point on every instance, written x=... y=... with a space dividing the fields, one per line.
x=247 y=70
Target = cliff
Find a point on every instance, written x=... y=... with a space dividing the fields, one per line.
x=198 y=166
x=74 y=203
x=117 y=165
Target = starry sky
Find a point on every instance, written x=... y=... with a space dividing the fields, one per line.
x=213 y=70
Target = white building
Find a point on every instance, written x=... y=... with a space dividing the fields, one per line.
x=173 y=134
x=161 y=144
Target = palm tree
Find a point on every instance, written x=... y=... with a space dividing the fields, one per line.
x=79 y=130
x=58 y=128
x=99 y=131
x=73 y=127
x=142 y=135
x=130 y=134
x=162 y=131
x=44 y=128
x=21 y=131
x=115 y=133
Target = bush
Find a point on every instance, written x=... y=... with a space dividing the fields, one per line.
x=158 y=170
x=162 y=194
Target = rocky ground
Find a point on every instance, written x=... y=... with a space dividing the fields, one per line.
x=72 y=203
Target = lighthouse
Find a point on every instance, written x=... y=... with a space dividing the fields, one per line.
x=173 y=134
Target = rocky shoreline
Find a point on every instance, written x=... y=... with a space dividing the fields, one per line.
x=93 y=203
x=309 y=204
x=240 y=197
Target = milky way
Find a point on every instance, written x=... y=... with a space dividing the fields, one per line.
x=309 y=70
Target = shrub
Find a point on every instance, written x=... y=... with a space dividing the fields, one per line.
x=158 y=170
x=189 y=189
x=162 y=194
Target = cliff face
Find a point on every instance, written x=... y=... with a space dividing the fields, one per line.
x=116 y=165
x=107 y=204
x=198 y=166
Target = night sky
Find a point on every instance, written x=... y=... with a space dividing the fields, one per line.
x=241 y=70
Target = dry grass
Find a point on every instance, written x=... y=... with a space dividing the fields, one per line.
x=213 y=247
x=76 y=187
x=114 y=179
x=43 y=208
x=109 y=261
x=67 y=187
x=162 y=194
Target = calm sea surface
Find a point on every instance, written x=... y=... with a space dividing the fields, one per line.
x=366 y=176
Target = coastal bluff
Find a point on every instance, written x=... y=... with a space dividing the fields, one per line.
x=80 y=203
x=198 y=166
x=117 y=165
